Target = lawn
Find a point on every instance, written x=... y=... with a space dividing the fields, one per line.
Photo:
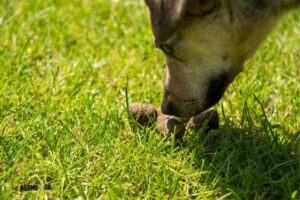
x=65 y=67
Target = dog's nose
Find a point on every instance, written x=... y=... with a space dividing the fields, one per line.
x=167 y=108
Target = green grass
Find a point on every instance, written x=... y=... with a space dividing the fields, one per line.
x=63 y=122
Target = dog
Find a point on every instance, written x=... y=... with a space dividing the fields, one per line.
x=206 y=43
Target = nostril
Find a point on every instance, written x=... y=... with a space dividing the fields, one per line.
x=167 y=108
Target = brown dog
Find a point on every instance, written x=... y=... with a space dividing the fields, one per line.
x=206 y=43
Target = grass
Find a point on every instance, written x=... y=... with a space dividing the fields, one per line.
x=63 y=122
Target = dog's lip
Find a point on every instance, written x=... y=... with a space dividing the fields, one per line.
x=186 y=115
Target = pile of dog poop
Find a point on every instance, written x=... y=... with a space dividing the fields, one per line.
x=147 y=115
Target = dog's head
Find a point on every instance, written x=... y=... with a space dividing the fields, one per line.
x=205 y=43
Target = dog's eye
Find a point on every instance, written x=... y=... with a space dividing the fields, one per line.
x=167 y=49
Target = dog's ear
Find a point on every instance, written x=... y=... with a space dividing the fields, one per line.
x=165 y=16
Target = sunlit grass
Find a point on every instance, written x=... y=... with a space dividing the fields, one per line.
x=63 y=72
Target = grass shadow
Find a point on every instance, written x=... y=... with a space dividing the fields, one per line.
x=249 y=162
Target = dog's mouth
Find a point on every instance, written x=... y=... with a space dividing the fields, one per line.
x=216 y=89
